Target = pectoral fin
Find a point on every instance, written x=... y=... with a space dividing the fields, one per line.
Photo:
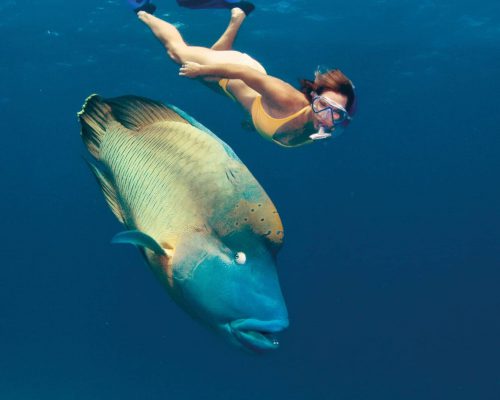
x=138 y=238
x=163 y=255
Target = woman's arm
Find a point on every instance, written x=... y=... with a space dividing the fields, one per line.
x=273 y=90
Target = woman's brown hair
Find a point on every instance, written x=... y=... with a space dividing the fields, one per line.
x=334 y=80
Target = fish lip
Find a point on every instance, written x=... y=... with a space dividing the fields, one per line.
x=256 y=335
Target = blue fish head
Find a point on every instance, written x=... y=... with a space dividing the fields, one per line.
x=231 y=284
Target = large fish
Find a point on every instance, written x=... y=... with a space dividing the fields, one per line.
x=202 y=221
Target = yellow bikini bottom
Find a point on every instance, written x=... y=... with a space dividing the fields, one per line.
x=223 y=84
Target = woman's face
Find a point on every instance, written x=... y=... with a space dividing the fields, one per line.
x=325 y=118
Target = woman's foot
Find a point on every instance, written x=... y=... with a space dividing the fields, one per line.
x=144 y=16
x=226 y=41
x=245 y=6
x=237 y=16
x=149 y=19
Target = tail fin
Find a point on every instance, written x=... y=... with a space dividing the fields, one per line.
x=94 y=118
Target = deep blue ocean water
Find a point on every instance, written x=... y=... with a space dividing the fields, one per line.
x=391 y=260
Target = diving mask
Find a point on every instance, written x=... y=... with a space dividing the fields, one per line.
x=329 y=110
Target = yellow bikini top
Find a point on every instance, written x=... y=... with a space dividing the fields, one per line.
x=266 y=125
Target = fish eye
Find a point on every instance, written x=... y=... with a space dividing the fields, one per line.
x=240 y=258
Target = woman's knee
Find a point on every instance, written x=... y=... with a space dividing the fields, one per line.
x=177 y=53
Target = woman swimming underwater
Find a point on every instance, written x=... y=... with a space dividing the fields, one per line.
x=281 y=113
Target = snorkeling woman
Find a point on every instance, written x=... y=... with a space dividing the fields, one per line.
x=280 y=113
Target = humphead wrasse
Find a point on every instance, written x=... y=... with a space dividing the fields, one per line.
x=204 y=224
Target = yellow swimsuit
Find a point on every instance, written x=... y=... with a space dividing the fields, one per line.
x=266 y=125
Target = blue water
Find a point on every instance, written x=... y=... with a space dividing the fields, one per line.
x=391 y=260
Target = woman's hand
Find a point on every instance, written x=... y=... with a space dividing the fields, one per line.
x=191 y=69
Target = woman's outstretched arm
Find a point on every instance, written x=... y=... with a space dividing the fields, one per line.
x=274 y=91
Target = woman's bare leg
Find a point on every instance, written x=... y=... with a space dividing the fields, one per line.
x=180 y=52
x=166 y=33
x=227 y=39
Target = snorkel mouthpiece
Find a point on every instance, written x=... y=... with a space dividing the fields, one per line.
x=321 y=134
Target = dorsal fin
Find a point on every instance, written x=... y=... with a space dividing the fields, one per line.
x=109 y=191
x=135 y=112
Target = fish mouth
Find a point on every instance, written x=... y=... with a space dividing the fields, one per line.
x=256 y=335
